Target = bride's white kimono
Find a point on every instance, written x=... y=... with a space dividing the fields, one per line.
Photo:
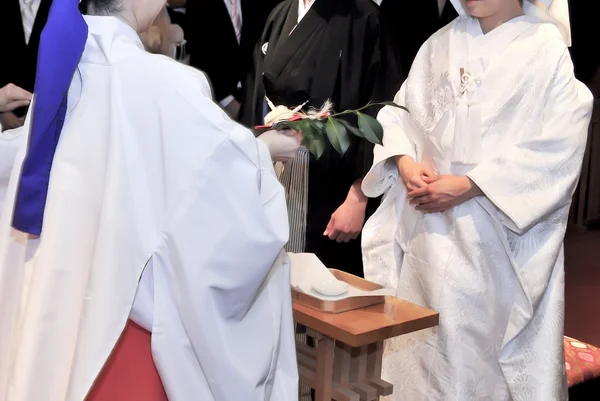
x=505 y=110
x=161 y=208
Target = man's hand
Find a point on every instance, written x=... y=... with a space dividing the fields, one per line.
x=172 y=35
x=152 y=39
x=347 y=221
x=413 y=174
x=444 y=193
x=233 y=109
x=283 y=145
x=9 y=120
x=12 y=97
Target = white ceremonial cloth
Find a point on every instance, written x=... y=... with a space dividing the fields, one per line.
x=149 y=168
x=492 y=266
x=10 y=141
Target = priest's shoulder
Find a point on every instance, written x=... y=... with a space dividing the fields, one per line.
x=184 y=93
x=167 y=74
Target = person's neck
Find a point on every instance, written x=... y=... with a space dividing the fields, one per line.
x=306 y=3
x=124 y=16
x=494 y=21
x=129 y=17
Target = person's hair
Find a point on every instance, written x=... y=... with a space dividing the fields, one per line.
x=100 y=7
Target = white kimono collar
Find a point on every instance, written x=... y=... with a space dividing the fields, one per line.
x=103 y=34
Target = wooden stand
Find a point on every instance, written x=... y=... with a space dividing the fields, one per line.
x=345 y=362
x=345 y=304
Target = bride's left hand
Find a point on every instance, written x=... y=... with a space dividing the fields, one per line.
x=443 y=194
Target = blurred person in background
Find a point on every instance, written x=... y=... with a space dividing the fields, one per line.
x=221 y=36
x=21 y=23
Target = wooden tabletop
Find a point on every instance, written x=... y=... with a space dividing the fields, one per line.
x=368 y=325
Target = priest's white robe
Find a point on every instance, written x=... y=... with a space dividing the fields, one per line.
x=492 y=266
x=149 y=169
x=10 y=141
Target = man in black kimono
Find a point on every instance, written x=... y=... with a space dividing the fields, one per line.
x=411 y=22
x=311 y=52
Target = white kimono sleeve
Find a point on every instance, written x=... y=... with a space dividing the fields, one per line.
x=533 y=178
x=223 y=327
x=396 y=141
x=10 y=142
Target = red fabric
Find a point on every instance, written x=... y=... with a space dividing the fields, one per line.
x=129 y=374
x=582 y=361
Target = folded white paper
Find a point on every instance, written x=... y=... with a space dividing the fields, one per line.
x=307 y=269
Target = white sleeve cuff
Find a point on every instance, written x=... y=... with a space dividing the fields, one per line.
x=225 y=102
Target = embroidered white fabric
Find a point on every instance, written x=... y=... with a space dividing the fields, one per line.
x=492 y=266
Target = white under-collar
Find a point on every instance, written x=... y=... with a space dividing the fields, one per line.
x=302 y=9
x=441 y=4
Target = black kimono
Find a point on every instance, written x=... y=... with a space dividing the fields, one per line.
x=335 y=52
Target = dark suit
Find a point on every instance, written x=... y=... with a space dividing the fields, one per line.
x=213 y=46
x=410 y=23
x=20 y=58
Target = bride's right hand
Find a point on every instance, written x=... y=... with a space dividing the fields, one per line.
x=283 y=145
x=414 y=175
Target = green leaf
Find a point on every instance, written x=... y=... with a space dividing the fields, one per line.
x=338 y=136
x=315 y=146
x=353 y=130
x=304 y=127
x=293 y=125
x=317 y=126
x=392 y=104
x=312 y=131
x=370 y=127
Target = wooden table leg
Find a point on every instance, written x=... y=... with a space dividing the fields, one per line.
x=374 y=358
x=324 y=385
x=340 y=372
x=341 y=364
x=374 y=361
x=359 y=375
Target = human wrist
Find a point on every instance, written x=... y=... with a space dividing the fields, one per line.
x=356 y=195
x=473 y=190
x=403 y=161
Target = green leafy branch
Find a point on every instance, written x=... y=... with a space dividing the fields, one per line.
x=337 y=131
